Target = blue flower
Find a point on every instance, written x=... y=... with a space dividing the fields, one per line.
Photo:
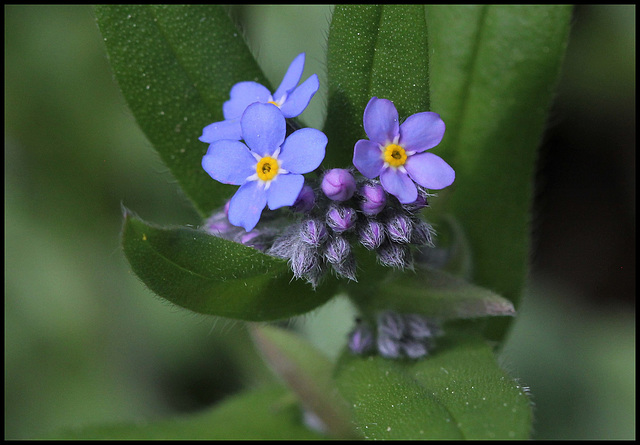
x=289 y=97
x=268 y=168
x=396 y=152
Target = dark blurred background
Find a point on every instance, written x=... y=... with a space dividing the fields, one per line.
x=85 y=342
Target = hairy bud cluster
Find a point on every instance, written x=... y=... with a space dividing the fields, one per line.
x=396 y=336
x=341 y=212
x=348 y=212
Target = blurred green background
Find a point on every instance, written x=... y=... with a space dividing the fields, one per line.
x=85 y=342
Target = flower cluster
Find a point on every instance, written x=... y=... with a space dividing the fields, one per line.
x=396 y=335
x=376 y=205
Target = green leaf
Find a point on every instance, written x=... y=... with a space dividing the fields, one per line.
x=176 y=65
x=373 y=50
x=265 y=414
x=432 y=293
x=309 y=374
x=459 y=392
x=493 y=72
x=211 y=275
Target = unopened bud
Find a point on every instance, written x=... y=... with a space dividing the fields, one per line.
x=338 y=184
x=414 y=349
x=338 y=250
x=305 y=201
x=394 y=255
x=422 y=233
x=419 y=204
x=374 y=198
x=341 y=218
x=313 y=232
x=418 y=328
x=388 y=347
x=361 y=340
x=371 y=234
x=399 y=228
x=391 y=325
x=218 y=223
x=303 y=261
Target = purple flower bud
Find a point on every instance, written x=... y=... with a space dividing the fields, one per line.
x=255 y=239
x=388 y=347
x=338 y=184
x=346 y=269
x=338 y=254
x=248 y=236
x=371 y=234
x=305 y=201
x=217 y=227
x=341 y=218
x=417 y=327
x=303 y=261
x=390 y=325
x=374 y=198
x=419 y=204
x=338 y=250
x=284 y=246
x=394 y=255
x=313 y=232
x=399 y=229
x=361 y=340
x=422 y=233
x=414 y=349
x=218 y=223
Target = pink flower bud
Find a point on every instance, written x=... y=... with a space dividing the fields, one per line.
x=374 y=198
x=341 y=219
x=338 y=184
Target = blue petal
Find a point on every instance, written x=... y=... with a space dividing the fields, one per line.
x=242 y=95
x=247 y=204
x=430 y=171
x=292 y=77
x=299 y=98
x=381 y=121
x=399 y=185
x=229 y=162
x=229 y=129
x=421 y=131
x=263 y=128
x=284 y=190
x=367 y=158
x=303 y=150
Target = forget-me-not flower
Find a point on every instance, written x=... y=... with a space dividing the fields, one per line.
x=267 y=167
x=396 y=152
x=290 y=97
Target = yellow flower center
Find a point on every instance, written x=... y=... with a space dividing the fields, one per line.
x=275 y=103
x=267 y=168
x=394 y=155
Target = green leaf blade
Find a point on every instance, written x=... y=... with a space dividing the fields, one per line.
x=432 y=293
x=485 y=402
x=215 y=276
x=175 y=65
x=458 y=392
x=378 y=51
x=493 y=73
